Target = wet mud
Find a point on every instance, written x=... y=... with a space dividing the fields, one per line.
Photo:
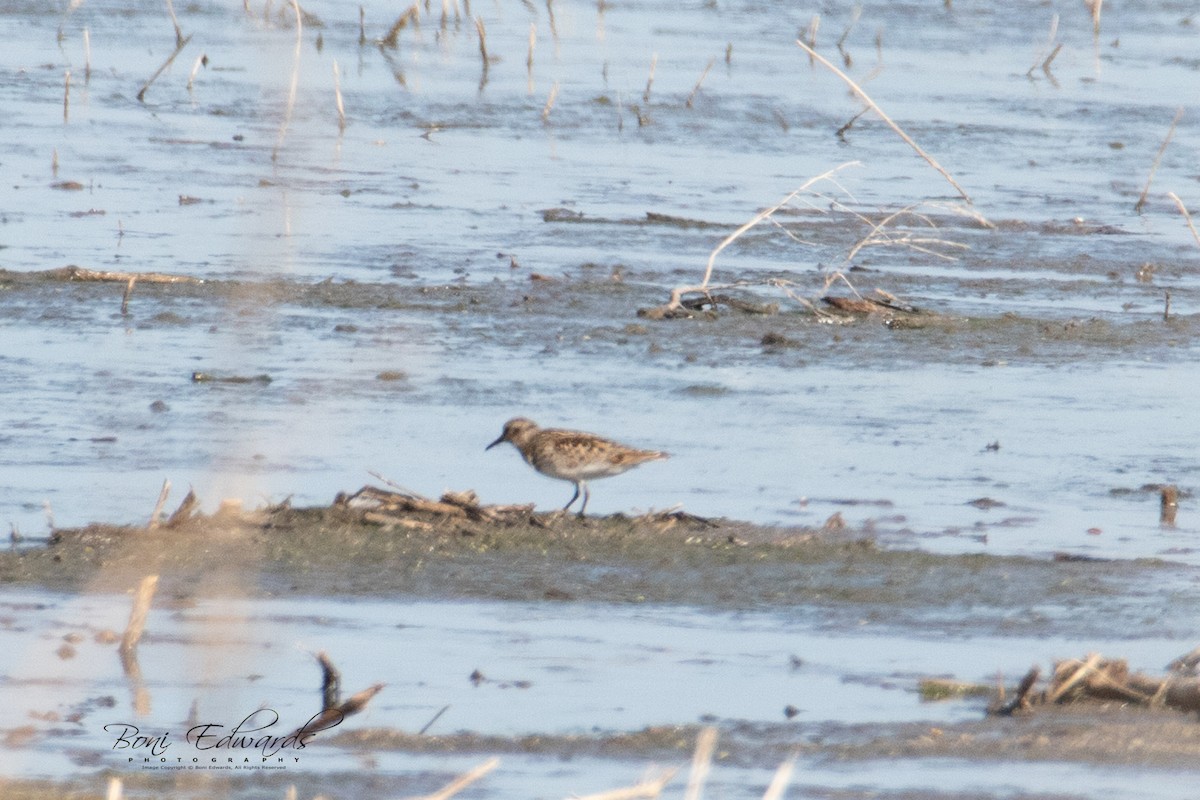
x=607 y=309
x=1109 y=738
x=841 y=574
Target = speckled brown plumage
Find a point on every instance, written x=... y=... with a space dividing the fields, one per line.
x=572 y=456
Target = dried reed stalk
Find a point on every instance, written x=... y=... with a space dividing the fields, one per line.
x=432 y=720
x=291 y=100
x=201 y=60
x=1053 y=55
x=841 y=43
x=74 y=4
x=706 y=743
x=854 y=87
x=156 y=515
x=128 y=293
x=550 y=103
x=66 y=96
x=814 y=25
x=1040 y=58
x=137 y=616
x=759 y=217
x=695 y=89
x=175 y=22
x=87 y=56
x=1186 y=216
x=646 y=789
x=337 y=96
x=779 y=783
x=141 y=95
x=878 y=235
x=529 y=58
x=482 y=31
x=392 y=38
x=462 y=781
x=650 y=80
x=1097 y=5
x=1157 y=160
x=841 y=132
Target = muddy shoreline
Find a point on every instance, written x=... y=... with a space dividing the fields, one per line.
x=841 y=575
x=663 y=559
x=1109 y=737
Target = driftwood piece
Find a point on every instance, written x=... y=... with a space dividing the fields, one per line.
x=129 y=643
x=156 y=515
x=384 y=507
x=1067 y=674
x=665 y=520
x=390 y=521
x=74 y=273
x=869 y=305
x=208 y=377
x=185 y=512
x=331 y=681
x=735 y=303
x=1020 y=700
x=1187 y=662
x=1172 y=691
x=1100 y=679
x=333 y=709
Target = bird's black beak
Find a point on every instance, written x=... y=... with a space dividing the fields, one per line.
x=493 y=444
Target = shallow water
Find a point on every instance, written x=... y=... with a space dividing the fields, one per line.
x=557 y=669
x=432 y=202
x=1097 y=406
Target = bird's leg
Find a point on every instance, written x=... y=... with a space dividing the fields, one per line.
x=586 y=495
x=574 y=497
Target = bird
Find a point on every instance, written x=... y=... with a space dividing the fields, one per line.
x=573 y=456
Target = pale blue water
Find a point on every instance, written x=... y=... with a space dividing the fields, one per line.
x=897 y=423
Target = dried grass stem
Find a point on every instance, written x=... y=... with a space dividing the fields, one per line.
x=862 y=95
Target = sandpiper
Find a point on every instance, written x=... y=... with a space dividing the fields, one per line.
x=572 y=456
